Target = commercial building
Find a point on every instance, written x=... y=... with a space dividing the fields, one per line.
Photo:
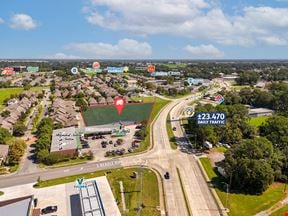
x=97 y=199
x=22 y=206
x=65 y=141
x=255 y=112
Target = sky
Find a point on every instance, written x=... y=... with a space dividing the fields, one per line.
x=144 y=29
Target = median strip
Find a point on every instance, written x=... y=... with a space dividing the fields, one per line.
x=183 y=192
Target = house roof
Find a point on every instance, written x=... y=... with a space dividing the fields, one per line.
x=4 y=150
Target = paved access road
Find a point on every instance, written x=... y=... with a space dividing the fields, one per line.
x=161 y=157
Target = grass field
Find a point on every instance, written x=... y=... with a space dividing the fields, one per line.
x=174 y=66
x=170 y=133
x=280 y=212
x=238 y=87
x=258 y=121
x=150 y=195
x=7 y=92
x=108 y=114
x=158 y=105
x=244 y=204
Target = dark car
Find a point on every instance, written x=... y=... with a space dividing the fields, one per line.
x=49 y=209
x=174 y=128
x=167 y=175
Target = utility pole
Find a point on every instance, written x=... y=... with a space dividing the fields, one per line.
x=286 y=182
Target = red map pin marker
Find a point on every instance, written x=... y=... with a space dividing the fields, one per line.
x=119 y=103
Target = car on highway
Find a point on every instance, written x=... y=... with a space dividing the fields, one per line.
x=167 y=175
x=48 y=210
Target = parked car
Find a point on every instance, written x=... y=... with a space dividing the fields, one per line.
x=227 y=146
x=174 y=128
x=49 y=209
x=167 y=175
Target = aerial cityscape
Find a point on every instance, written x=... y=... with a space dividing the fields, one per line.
x=151 y=108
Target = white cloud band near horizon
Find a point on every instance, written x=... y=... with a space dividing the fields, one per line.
x=204 y=51
x=125 y=48
x=191 y=18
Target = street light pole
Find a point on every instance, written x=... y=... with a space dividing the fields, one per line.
x=140 y=196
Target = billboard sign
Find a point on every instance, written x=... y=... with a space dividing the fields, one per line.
x=8 y=71
x=96 y=65
x=126 y=69
x=115 y=69
x=31 y=69
x=174 y=73
x=159 y=73
x=92 y=70
x=219 y=99
x=189 y=111
x=151 y=68
x=74 y=70
x=194 y=81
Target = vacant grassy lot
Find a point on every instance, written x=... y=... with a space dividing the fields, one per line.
x=150 y=194
x=158 y=105
x=170 y=133
x=7 y=92
x=174 y=66
x=243 y=204
x=258 y=121
x=108 y=114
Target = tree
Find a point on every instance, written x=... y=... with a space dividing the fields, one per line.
x=16 y=150
x=5 y=113
x=247 y=78
x=80 y=102
x=52 y=158
x=276 y=130
x=5 y=135
x=19 y=129
x=249 y=165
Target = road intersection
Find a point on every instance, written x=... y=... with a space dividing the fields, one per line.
x=161 y=158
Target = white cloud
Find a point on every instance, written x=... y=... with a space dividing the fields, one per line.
x=22 y=22
x=204 y=51
x=61 y=56
x=274 y=40
x=1 y=21
x=125 y=48
x=190 y=18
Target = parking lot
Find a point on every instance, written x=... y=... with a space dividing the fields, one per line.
x=104 y=145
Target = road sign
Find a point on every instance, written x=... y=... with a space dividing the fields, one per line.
x=74 y=70
x=119 y=103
